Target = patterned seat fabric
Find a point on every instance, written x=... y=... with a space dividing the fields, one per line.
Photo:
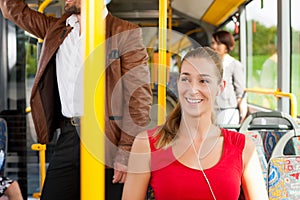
x=284 y=178
x=284 y=170
x=256 y=138
x=270 y=139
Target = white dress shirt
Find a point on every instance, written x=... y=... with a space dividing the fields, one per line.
x=69 y=69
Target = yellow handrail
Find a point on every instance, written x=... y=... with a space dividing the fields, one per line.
x=42 y=149
x=41 y=9
x=44 y=5
x=28 y=109
x=162 y=61
x=278 y=93
x=169 y=41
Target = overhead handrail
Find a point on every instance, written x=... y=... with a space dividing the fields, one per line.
x=41 y=9
x=278 y=93
x=185 y=41
x=44 y=5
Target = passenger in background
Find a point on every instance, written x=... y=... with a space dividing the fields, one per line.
x=232 y=103
x=189 y=157
x=9 y=189
x=268 y=80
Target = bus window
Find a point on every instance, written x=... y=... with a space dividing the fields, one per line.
x=295 y=47
x=261 y=33
x=233 y=27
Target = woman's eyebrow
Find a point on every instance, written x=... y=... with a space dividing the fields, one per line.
x=204 y=75
x=185 y=73
x=200 y=75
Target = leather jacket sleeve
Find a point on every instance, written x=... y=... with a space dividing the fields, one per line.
x=30 y=20
x=136 y=91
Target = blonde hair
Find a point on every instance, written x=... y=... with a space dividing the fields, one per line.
x=167 y=132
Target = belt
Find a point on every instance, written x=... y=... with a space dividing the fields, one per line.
x=74 y=121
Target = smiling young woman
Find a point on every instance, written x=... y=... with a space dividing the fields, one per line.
x=188 y=156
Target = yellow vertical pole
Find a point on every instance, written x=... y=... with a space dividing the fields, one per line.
x=169 y=45
x=92 y=124
x=170 y=14
x=42 y=149
x=162 y=61
x=43 y=164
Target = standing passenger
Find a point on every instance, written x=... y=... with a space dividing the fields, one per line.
x=232 y=104
x=57 y=96
x=189 y=157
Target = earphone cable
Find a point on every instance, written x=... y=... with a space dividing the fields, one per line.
x=199 y=162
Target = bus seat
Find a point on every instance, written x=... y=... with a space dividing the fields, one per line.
x=270 y=138
x=271 y=126
x=256 y=138
x=150 y=194
x=297 y=145
x=3 y=144
x=284 y=171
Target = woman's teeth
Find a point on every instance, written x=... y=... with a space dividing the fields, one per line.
x=193 y=100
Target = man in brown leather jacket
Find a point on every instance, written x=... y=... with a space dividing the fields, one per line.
x=56 y=93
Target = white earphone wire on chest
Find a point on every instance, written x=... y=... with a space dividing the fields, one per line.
x=199 y=159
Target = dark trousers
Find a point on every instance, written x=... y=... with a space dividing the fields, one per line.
x=63 y=174
x=113 y=191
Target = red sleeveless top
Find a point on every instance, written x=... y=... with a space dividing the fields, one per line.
x=170 y=179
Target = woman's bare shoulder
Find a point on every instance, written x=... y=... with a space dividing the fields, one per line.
x=141 y=143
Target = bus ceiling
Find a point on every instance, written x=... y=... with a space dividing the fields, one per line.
x=205 y=15
x=200 y=12
x=145 y=12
